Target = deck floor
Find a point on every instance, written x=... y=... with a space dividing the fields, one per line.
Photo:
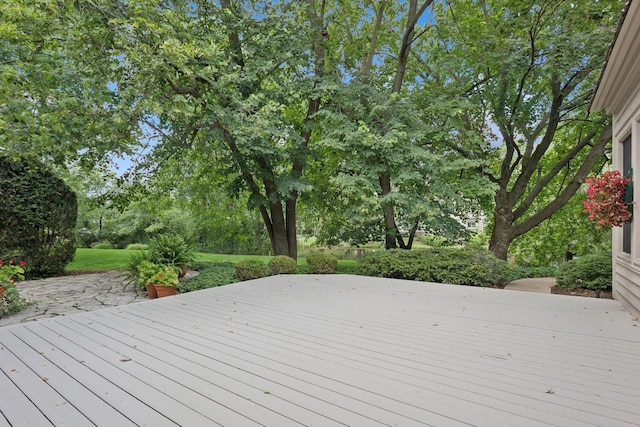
x=328 y=351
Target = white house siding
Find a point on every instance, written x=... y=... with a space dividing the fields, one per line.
x=626 y=267
x=618 y=93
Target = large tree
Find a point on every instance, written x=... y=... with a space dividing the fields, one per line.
x=236 y=82
x=390 y=172
x=524 y=72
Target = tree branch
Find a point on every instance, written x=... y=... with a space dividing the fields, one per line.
x=594 y=154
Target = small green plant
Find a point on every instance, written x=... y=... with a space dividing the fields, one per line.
x=322 y=263
x=137 y=247
x=11 y=272
x=171 y=249
x=251 y=269
x=282 y=264
x=12 y=302
x=588 y=272
x=150 y=273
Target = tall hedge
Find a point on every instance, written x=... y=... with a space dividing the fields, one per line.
x=38 y=214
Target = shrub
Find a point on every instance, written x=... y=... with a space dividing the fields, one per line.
x=209 y=275
x=282 y=264
x=322 y=263
x=251 y=269
x=171 y=249
x=588 y=271
x=137 y=247
x=38 y=215
x=101 y=245
x=458 y=266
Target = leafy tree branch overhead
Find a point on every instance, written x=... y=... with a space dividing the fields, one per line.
x=381 y=116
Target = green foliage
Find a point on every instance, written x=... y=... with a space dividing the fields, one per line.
x=209 y=275
x=137 y=247
x=567 y=232
x=38 y=215
x=101 y=245
x=282 y=264
x=525 y=272
x=150 y=273
x=12 y=302
x=251 y=269
x=458 y=266
x=171 y=250
x=592 y=271
x=322 y=263
x=502 y=106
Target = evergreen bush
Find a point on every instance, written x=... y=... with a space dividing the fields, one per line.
x=282 y=264
x=588 y=271
x=251 y=269
x=38 y=214
x=322 y=263
x=458 y=266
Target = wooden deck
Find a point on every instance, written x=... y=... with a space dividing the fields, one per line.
x=325 y=351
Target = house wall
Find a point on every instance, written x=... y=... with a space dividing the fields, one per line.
x=626 y=267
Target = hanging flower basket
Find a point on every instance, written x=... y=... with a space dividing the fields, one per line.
x=606 y=203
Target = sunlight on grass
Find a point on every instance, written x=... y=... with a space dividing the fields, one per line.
x=118 y=259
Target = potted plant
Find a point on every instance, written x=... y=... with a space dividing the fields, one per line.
x=165 y=281
x=10 y=273
x=146 y=272
x=606 y=203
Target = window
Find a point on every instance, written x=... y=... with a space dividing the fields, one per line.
x=627 y=171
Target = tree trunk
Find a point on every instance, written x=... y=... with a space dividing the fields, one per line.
x=279 y=237
x=292 y=235
x=391 y=232
x=501 y=235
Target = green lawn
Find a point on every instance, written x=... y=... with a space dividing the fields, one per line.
x=118 y=259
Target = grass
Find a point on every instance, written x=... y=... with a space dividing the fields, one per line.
x=100 y=259
x=118 y=259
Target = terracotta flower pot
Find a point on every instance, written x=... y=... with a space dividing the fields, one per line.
x=1 y=292
x=151 y=291
x=165 y=291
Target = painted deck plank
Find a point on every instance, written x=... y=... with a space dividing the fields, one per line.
x=417 y=369
x=16 y=409
x=292 y=382
x=330 y=350
x=586 y=413
x=49 y=400
x=77 y=364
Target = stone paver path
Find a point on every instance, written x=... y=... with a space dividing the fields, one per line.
x=59 y=296
x=541 y=285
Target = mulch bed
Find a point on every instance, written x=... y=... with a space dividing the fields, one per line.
x=590 y=293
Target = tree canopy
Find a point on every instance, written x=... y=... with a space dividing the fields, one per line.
x=384 y=117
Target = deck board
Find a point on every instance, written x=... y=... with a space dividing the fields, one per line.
x=328 y=350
